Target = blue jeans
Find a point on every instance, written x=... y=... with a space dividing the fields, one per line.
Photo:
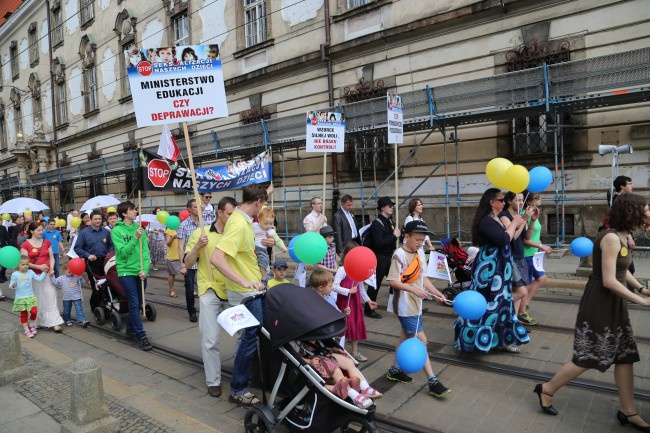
x=78 y=309
x=131 y=286
x=246 y=351
x=56 y=268
x=190 y=279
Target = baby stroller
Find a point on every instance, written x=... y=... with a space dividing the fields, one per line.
x=109 y=299
x=294 y=314
x=460 y=265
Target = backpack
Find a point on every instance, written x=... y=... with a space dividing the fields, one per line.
x=366 y=239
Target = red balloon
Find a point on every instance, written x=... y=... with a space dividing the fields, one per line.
x=360 y=263
x=184 y=214
x=144 y=223
x=77 y=266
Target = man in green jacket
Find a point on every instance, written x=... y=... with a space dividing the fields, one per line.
x=132 y=269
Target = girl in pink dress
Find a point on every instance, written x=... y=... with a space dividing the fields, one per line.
x=352 y=294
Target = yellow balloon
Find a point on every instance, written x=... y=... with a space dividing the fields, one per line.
x=6 y=216
x=75 y=222
x=495 y=171
x=516 y=178
x=111 y=209
x=27 y=213
x=61 y=223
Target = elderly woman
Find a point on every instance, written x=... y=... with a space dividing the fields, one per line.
x=603 y=334
x=491 y=276
x=41 y=259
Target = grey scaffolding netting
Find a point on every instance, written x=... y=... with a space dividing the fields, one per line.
x=615 y=79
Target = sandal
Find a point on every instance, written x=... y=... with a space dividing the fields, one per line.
x=247 y=399
x=510 y=348
x=57 y=329
x=341 y=389
x=2 y=297
x=355 y=383
x=172 y=294
x=362 y=401
x=372 y=393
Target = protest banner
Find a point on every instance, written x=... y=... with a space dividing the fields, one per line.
x=325 y=133
x=395 y=117
x=176 y=84
x=538 y=261
x=159 y=174
x=236 y=318
x=438 y=267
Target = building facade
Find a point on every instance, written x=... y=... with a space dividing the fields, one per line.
x=68 y=126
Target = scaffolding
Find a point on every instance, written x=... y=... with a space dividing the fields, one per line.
x=604 y=81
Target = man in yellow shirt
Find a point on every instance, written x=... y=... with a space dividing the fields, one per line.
x=212 y=291
x=235 y=258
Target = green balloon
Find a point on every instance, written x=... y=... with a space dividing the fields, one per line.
x=162 y=216
x=173 y=222
x=9 y=257
x=311 y=248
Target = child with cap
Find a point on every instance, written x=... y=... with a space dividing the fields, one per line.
x=329 y=261
x=279 y=273
x=409 y=286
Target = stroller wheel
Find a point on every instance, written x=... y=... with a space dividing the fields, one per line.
x=257 y=422
x=450 y=293
x=150 y=312
x=116 y=321
x=358 y=425
x=100 y=316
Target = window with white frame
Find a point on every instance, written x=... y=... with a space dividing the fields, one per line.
x=57 y=23
x=356 y=3
x=181 y=29
x=87 y=49
x=32 y=34
x=13 y=53
x=60 y=94
x=87 y=11
x=254 y=22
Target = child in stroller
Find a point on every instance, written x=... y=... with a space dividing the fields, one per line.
x=297 y=342
x=460 y=265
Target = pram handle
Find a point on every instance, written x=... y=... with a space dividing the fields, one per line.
x=251 y=298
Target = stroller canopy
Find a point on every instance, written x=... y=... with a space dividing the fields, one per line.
x=297 y=313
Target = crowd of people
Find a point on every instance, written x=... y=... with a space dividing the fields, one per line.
x=229 y=257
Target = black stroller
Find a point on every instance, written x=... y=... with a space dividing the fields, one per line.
x=460 y=265
x=298 y=395
x=109 y=300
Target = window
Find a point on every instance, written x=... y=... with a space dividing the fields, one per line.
x=60 y=95
x=13 y=53
x=87 y=12
x=87 y=49
x=125 y=30
x=3 y=132
x=181 y=25
x=18 y=114
x=57 y=21
x=254 y=22
x=356 y=3
x=35 y=89
x=33 y=44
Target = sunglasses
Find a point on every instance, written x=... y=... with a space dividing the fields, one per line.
x=208 y=196
x=502 y=200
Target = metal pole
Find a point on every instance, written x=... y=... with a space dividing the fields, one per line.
x=563 y=180
x=555 y=179
x=284 y=190
x=444 y=146
x=457 y=180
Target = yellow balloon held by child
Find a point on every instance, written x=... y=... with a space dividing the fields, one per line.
x=75 y=222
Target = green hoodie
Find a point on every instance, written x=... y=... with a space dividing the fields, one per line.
x=127 y=250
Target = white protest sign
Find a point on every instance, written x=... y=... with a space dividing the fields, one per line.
x=538 y=261
x=176 y=84
x=301 y=275
x=325 y=132
x=236 y=318
x=438 y=267
x=395 y=119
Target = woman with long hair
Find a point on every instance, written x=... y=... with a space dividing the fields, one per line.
x=603 y=334
x=41 y=259
x=415 y=214
x=498 y=328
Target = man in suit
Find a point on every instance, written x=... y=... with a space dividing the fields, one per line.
x=343 y=223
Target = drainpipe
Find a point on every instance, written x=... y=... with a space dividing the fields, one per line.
x=325 y=56
x=54 y=132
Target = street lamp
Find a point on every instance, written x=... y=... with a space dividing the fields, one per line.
x=615 y=151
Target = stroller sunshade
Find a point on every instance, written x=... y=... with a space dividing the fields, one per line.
x=298 y=313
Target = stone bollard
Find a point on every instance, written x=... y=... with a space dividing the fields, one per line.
x=12 y=365
x=88 y=411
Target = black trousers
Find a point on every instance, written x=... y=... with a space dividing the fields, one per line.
x=190 y=279
x=383 y=266
x=96 y=268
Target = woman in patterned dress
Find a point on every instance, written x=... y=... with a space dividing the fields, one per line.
x=157 y=245
x=603 y=334
x=499 y=327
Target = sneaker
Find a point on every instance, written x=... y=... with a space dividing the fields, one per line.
x=360 y=357
x=154 y=268
x=437 y=389
x=85 y=323
x=29 y=334
x=130 y=335
x=33 y=329
x=68 y=323
x=145 y=345
x=398 y=375
x=527 y=319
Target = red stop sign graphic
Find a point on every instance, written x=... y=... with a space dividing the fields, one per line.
x=145 y=68
x=159 y=172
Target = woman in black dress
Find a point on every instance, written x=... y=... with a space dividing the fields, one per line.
x=603 y=335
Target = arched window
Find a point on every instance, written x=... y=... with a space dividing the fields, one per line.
x=60 y=94
x=87 y=51
x=126 y=35
x=35 y=89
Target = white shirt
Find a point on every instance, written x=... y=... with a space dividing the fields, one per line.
x=353 y=226
x=311 y=223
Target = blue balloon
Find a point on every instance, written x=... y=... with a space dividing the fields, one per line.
x=46 y=219
x=470 y=305
x=582 y=247
x=540 y=179
x=291 y=251
x=411 y=355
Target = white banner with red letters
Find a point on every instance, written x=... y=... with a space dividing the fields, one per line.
x=176 y=84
